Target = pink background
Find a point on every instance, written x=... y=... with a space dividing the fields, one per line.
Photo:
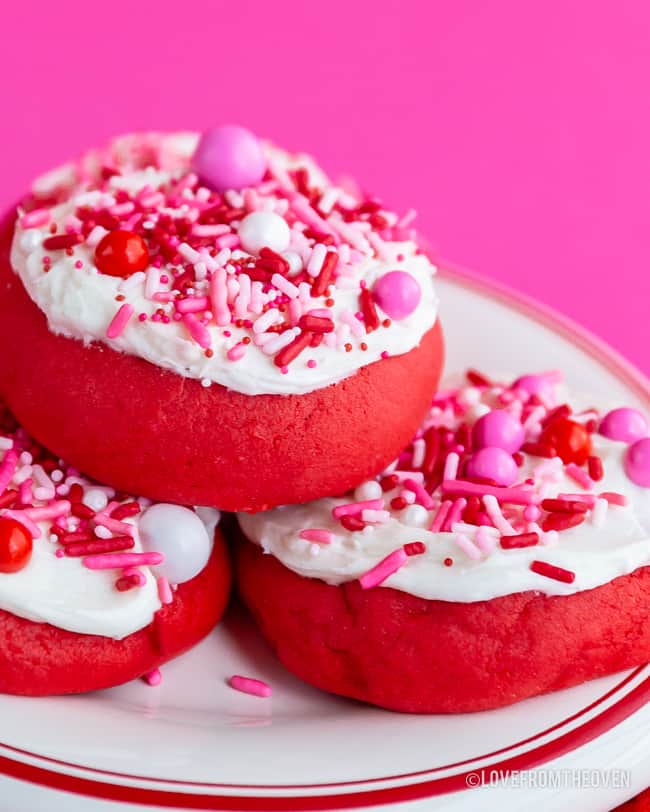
x=520 y=131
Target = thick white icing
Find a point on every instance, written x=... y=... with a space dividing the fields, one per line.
x=596 y=554
x=80 y=302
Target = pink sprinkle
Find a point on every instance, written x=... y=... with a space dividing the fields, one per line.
x=384 y=569
x=120 y=320
x=455 y=514
x=285 y=286
x=199 y=230
x=614 y=498
x=316 y=534
x=421 y=495
x=467 y=546
x=311 y=363
x=120 y=560
x=219 y=297
x=236 y=352
x=7 y=468
x=441 y=516
x=33 y=219
x=163 y=296
x=451 y=466
x=115 y=526
x=353 y=508
x=589 y=498
x=578 y=475
x=498 y=519
x=198 y=331
x=153 y=678
x=52 y=511
x=164 y=590
x=513 y=496
x=193 y=304
x=248 y=685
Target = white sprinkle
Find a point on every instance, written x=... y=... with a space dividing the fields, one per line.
x=467 y=546
x=328 y=199
x=188 y=253
x=419 y=447
x=280 y=341
x=6 y=443
x=132 y=281
x=316 y=259
x=266 y=320
x=95 y=236
x=102 y=532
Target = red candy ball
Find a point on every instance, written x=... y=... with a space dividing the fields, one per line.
x=15 y=546
x=570 y=440
x=121 y=253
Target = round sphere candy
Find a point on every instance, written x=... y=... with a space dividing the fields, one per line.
x=398 y=293
x=499 y=429
x=264 y=229
x=626 y=425
x=637 y=462
x=179 y=534
x=229 y=157
x=121 y=253
x=492 y=464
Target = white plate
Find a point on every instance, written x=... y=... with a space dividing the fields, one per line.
x=193 y=743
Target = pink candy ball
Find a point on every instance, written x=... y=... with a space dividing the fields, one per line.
x=229 y=157
x=541 y=385
x=637 y=462
x=499 y=429
x=626 y=425
x=397 y=293
x=492 y=463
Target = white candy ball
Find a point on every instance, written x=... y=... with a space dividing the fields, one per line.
x=261 y=229
x=368 y=490
x=95 y=499
x=414 y=516
x=181 y=537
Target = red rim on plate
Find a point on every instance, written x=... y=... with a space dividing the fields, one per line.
x=47 y=772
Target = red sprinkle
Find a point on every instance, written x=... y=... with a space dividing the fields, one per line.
x=316 y=324
x=292 y=351
x=538 y=450
x=62 y=241
x=522 y=540
x=125 y=511
x=369 y=310
x=325 y=276
x=476 y=378
x=389 y=482
x=551 y=571
x=448 y=562
x=81 y=511
x=431 y=451
x=114 y=545
x=8 y=498
x=398 y=502
x=562 y=521
x=415 y=548
x=564 y=506
x=595 y=468
x=127 y=582
x=352 y=523
x=75 y=493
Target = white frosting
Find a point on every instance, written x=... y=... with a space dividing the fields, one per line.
x=68 y=595
x=80 y=302
x=596 y=553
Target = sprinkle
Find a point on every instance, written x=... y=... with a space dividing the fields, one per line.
x=565 y=505
x=164 y=591
x=237 y=352
x=51 y=511
x=219 y=297
x=455 y=513
x=188 y=253
x=316 y=259
x=7 y=468
x=539 y=450
x=352 y=523
x=197 y=330
x=120 y=560
x=291 y=351
x=467 y=546
x=518 y=541
x=355 y=508
x=284 y=285
x=119 y=321
x=316 y=534
x=587 y=498
x=316 y=324
x=512 y=496
x=415 y=548
x=35 y=218
x=451 y=466
x=62 y=241
x=370 y=317
x=278 y=342
x=375 y=516
x=614 y=498
x=115 y=526
x=77 y=549
x=485 y=540
x=550 y=571
x=440 y=517
x=498 y=520
x=595 y=468
x=421 y=495
x=562 y=521
x=248 y=685
x=325 y=276
x=192 y=304
x=153 y=678
x=384 y=569
x=578 y=475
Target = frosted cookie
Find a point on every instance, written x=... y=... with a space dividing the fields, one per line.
x=504 y=554
x=215 y=322
x=96 y=587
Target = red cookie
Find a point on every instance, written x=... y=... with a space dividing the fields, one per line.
x=408 y=654
x=243 y=379
x=37 y=659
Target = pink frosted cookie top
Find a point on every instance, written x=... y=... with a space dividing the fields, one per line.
x=507 y=487
x=101 y=562
x=285 y=284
